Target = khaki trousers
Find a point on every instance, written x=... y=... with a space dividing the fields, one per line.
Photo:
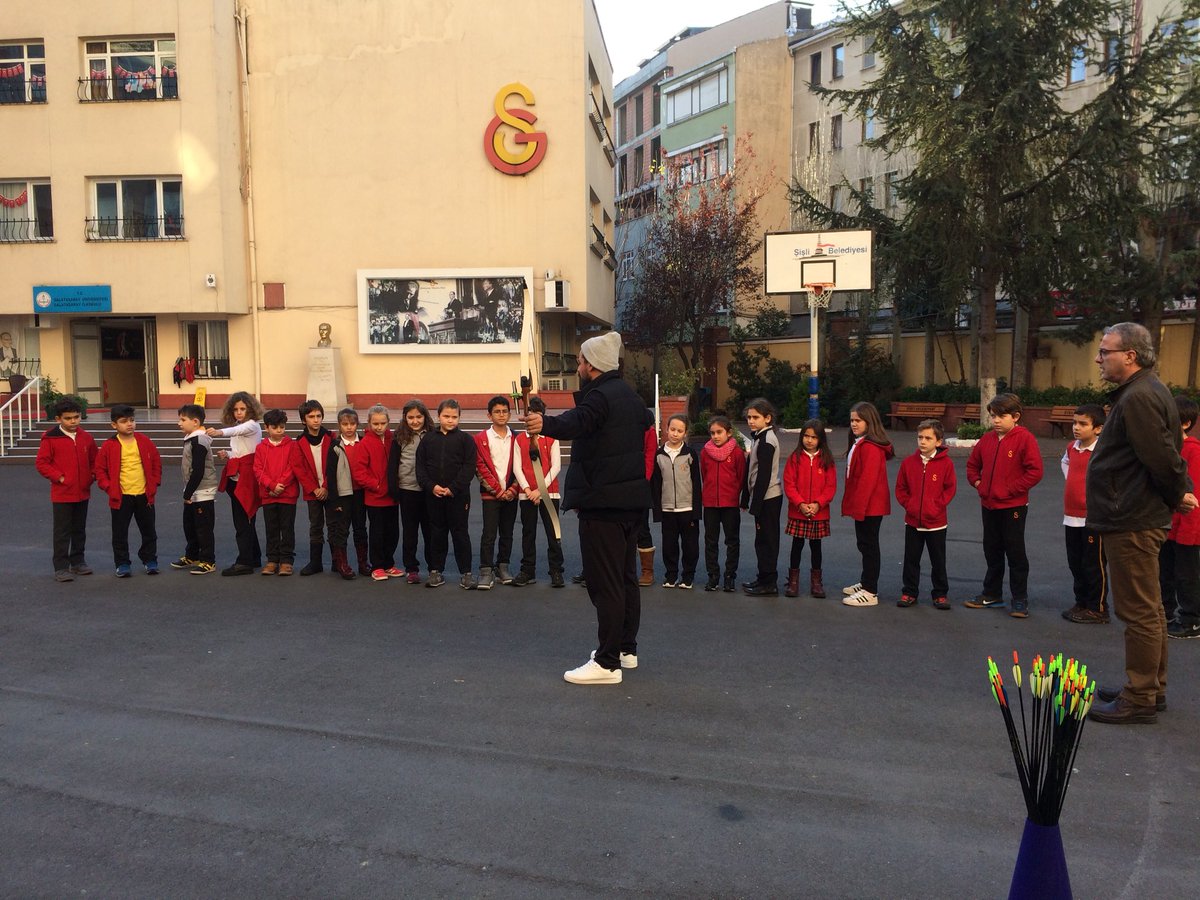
x=1132 y=558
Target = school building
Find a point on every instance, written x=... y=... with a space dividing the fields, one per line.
x=189 y=190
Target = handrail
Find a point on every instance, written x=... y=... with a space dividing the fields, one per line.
x=19 y=414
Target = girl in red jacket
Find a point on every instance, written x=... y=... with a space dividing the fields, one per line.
x=867 y=497
x=809 y=481
x=370 y=467
x=722 y=473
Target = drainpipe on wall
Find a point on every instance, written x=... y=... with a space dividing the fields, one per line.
x=248 y=193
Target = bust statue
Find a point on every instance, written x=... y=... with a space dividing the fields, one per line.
x=323 y=332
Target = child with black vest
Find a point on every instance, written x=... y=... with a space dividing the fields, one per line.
x=678 y=503
x=199 y=470
x=345 y=507
x=129 y=470
x=309 y=453
x=763 y=496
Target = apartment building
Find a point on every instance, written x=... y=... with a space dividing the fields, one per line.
x=205 y=184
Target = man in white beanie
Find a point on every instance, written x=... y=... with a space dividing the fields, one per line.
x=606 y=483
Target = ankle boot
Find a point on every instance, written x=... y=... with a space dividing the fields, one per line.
x=315 y=565
x=793 y=584
x=647 y=577
x=816 y=586
x=364 y=564
x=340 y=564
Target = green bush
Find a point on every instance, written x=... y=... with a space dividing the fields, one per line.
x=939 y=393
x=854 y=374
x=971 y=431
x=969 y=393
x=51 y=395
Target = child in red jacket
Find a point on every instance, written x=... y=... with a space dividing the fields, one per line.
x=1179 y=558
x=275 y=475
x=925 y=486
x=310 y=454
x=1085 y=548
x=129 y=470
x=722 y=474
x=1003 y=467
x=66 y=457
x=495 y=454
x=809 y=481
x=866 y=498
x=370 y=467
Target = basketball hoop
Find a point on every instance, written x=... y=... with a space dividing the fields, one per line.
x=819 y=294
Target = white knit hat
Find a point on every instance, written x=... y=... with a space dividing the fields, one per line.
x=603 y=352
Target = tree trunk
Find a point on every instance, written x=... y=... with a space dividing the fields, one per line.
x=1195 y=351
x=897 y=341
x=987 y=339
x=1020 y=348
x=930 y=361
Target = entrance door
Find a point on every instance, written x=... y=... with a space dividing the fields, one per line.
x=85 y=354
x=151 y=338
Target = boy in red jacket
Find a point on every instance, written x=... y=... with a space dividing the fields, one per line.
x=1003 y=467
x=310 y=455
x=1179 y=558
x=276 y=479
x=1085 y=548
x=495 y=454
x=66 y=457
x=129 y=470
x=925 y=486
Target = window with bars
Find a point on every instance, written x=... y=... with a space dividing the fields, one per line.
x=23 y=72
x=132 y=69
x=207 y=343
x=136 y=209
x=26 y=213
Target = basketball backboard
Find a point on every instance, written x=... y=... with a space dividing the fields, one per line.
x=841 y=258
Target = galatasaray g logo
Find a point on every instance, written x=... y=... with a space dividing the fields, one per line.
x=532 y=143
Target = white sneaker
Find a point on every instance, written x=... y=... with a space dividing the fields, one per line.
x=628 y=660
x=861 y=598
x=853 y=589
x=592 y=672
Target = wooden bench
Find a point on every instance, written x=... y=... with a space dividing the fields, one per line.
x=903 y=411
x=970 y=413
x=1060 y=418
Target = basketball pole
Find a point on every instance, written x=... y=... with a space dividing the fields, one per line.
x=814 y=404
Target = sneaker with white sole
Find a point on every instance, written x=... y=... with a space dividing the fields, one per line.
x=861 y=597
x=628 y=660
x=853 y=589
x=592 y=672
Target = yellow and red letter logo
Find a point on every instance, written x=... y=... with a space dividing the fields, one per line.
x=532 y=143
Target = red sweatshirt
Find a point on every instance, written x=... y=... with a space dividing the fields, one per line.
x=1005 y=469
x=1185 y=527
x=306 y=468
x=108 y=468
x=721 y=480
x=926 y=489
x=491 y=482
x=273 y=464
x=866 y=492
x=73 y=460
x=807 y=480
x=369 y=465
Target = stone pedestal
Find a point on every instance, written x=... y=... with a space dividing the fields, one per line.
x=326 y=384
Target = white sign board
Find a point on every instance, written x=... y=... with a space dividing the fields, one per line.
x=840 y=258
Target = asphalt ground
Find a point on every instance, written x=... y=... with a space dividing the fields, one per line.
x=183 y=736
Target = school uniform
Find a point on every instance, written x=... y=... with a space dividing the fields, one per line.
x=414 y=517
x=237 y=480
x=677 y=495
x=1085 y=548
x=924 y=488
x=1179 y=557
x=273 y=465
x=550 y=460
x=866 y=499
x=199 y=497
x=310 y=454
x=370 y=466
x=722 y=474
x=346 y=510
x=763 y=497
x=71 y=457
x=448 y=459
x=495 y=455
x=130 y=473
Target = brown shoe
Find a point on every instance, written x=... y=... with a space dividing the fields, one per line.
x=793 y=584
x=1122 y=712
x=269 y=569
x=647 y=577
x=816 y=586
x=1108 y=695
x=284 y=569
x=1085 y=616
x=1067 y=613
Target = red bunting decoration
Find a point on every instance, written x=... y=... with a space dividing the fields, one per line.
x=13 y=71
x=19 y=200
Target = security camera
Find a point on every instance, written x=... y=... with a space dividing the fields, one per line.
x=210 y=280
x=549 y=274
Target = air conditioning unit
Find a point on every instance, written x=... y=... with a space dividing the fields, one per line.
x=558 y=294
x=554 y=384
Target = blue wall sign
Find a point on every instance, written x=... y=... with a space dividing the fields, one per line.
x=72 y=298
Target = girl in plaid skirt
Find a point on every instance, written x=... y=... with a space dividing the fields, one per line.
x=810 y=481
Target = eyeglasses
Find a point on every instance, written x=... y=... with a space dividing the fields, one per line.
x=1103 y=353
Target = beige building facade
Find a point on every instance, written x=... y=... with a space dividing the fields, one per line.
x=207 y=183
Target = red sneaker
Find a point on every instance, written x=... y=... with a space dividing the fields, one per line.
x=379 y=575
x=414 y=578
x=393 y=572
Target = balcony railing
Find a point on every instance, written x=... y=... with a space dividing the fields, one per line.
x=25 y=231
x=23 y=90
x=134 y=228
x=134 y=86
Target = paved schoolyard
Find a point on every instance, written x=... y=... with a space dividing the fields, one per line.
x=183 y=736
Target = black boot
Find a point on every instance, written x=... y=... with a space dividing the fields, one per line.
x=314 y=560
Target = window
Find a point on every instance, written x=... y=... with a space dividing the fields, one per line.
x=656 y=167
x=135 y=69
x=638 y=113
x=622 y=124
x=1078 y=68
x=835 y=133
x=639 y=166
x=25 y=211
x=713 y=162
x=814 y=138
x=622 y=173
x=698 y=96
x=1111 y=63
x=837 y=198
x=814 y=69
x=208 y=344
x=868 y=125
x=838 y=58
x=868 y=53
x=136 y=209
x=625 y=269
x=656 y=112
x=891 y=195
x=866 y=187
x=23 y=73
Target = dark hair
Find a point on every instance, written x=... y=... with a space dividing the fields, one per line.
x=1188 y=411
x=448 y=403
x=723 y=421
x=823 y=451
x=764 y=408
x=1093 y=411
x=679 y=417
x=876 y=433
x=404 y=433
x=254 y=409
x=121 y=411
x=192 y=411
x=308 y=406
x=1005 y=404
x=274 y=417
x=348 y=412
x=66 y=405
x=537 y=404
x=934 y=425
x=498 y=400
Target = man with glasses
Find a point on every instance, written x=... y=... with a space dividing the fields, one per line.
x=1135 y=480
